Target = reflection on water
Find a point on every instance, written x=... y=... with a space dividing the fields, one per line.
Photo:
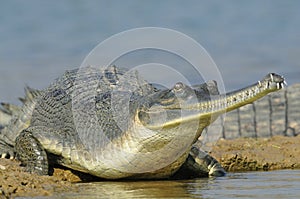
x=273 y=184
x=144 y=189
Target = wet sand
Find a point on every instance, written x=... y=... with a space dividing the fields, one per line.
x=242 y=154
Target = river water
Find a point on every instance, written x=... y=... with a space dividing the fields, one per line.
x=39 y=40
x=273 y=184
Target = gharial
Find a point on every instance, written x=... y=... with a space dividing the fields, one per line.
x=112 y=124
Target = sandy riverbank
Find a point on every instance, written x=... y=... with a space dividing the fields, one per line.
x=249 y=154
x=243 y=154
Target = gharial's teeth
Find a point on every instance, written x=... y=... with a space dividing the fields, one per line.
x=278 y=85
x=284 y=82
x=272 y=78
x=3 y=155
x=259 y=83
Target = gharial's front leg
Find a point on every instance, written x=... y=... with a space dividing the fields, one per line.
x=31 y=153
x=200 y=164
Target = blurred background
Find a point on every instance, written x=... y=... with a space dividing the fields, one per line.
x=39 y=40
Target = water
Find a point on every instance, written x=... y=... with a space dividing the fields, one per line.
x=247 y=39
x=272 y=184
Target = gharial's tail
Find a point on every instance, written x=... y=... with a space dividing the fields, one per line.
x=9 y=111
x=6 y=113
x=14 y=119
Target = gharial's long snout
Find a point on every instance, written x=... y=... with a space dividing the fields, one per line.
x=206 y=107
x=270 y=83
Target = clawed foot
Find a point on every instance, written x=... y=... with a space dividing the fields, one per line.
x=214 y=168
x=6 y=151
x=199 y=164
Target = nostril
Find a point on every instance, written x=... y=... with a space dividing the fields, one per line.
x=178 y=86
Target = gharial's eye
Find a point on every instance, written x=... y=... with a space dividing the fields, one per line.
x=178 y=86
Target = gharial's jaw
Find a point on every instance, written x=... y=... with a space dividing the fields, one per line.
x=270 y=83
x=196 y=109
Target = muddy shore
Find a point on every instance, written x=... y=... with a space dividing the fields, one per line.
x=249 y=154
x=242 y=154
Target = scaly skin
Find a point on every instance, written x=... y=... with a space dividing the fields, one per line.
x=17 y=119
x=46 y=131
